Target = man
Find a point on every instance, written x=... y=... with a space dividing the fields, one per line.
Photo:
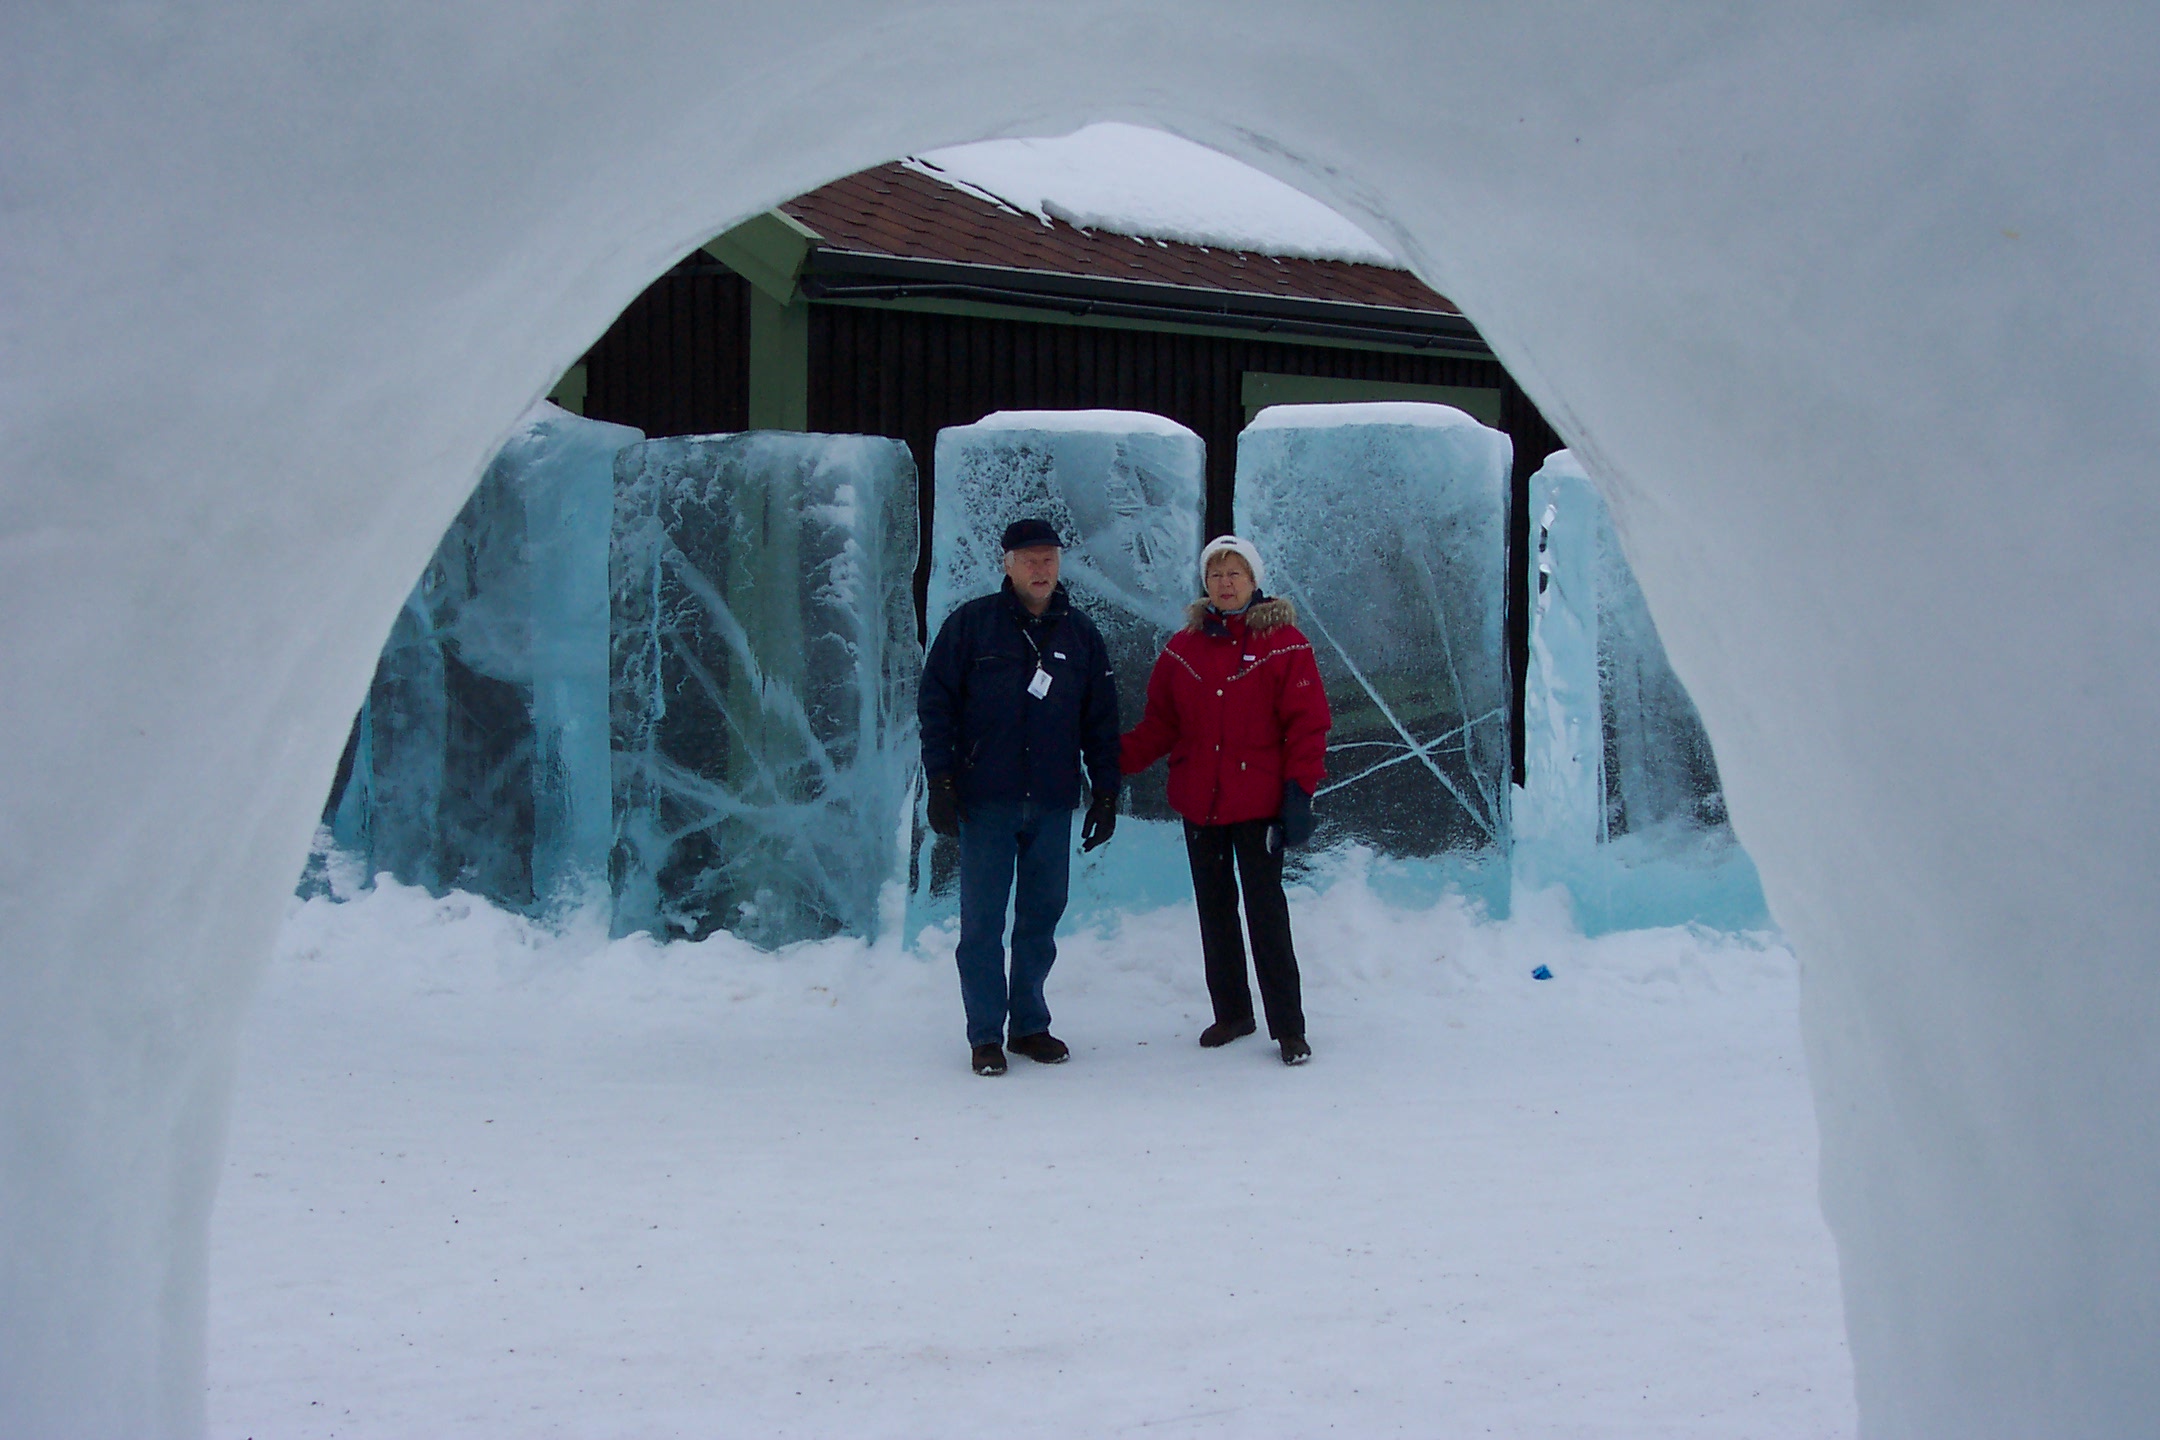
x=1016 y=690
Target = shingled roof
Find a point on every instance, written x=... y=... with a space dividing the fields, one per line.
x=899 y=210
x=900 y=232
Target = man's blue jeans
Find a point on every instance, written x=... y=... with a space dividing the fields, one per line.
x=998 y=844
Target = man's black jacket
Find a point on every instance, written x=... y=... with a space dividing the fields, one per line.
x=982 y=727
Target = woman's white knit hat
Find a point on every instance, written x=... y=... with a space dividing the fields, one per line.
x=1243 y=549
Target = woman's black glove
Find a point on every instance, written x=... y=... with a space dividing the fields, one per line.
x=1297 y=821
x=1100 y=822
x=944 y=806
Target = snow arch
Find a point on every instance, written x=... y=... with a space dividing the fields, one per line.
x=1855 y=306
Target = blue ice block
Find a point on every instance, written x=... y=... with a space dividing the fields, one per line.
x=1385 y=524
x=764 y=671
x=1127 y=492
x=1621 y=805
x=480 y=760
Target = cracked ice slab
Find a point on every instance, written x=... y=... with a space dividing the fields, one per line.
x=1124 y=489
x=481 y=755
x=1621 y=804
x=1385 y=524
x=764 y=670
x=1127 y=492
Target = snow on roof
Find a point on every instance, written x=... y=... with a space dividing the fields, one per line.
x=1363 y=412
x=1126 y=422
x=910 y=210
x=1134 y=181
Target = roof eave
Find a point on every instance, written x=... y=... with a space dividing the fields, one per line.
x=831 y=274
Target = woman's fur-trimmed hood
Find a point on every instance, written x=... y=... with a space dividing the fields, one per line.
x=1261 y=616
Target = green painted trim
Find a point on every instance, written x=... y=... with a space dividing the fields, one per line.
x=980 y=310
x=767 y=250
x=569 y=392
x=1260 y=389
x=779 y=363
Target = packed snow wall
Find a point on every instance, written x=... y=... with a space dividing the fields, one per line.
x=268 y=319
x=1127 y=491
x=480 y=759
x=1620 y=806
x=1386 y=525
x=765 y=668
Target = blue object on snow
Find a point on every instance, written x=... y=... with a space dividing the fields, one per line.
x=1543 y=972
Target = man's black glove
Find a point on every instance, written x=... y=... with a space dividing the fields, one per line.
x=1101 y=821
x=944 y=806
x=1297 y=821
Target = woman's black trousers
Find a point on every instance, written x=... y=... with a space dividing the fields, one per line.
x=1211 y=848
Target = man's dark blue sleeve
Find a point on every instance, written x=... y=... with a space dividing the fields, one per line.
x=1099 y=720
x=938 y=699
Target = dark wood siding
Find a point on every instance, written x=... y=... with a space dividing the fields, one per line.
x=909 y=374
x=677 y=362
x=957 y=369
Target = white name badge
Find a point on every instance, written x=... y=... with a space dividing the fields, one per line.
x=1040 y=685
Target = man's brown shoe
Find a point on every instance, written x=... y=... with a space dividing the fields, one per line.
x=1043 y=1048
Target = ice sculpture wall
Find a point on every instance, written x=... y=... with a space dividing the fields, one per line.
x=1386 y=525
x=481 y=756
x=765 y=667
x=1620 y=805
x=268 y=316
x=717 y=735
x=1127 y=490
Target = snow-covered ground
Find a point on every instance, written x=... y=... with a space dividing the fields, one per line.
x=487 y=1181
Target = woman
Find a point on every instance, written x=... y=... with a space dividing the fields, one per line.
x=1235 y=701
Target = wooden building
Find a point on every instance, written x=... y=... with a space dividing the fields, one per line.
x=897 y=302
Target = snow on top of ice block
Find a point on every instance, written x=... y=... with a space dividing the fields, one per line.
x=1563 y=462
x=1131 y=180
x=1115 y=422
x=1363 y=412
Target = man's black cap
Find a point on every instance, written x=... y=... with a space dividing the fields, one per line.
x=1023 y=533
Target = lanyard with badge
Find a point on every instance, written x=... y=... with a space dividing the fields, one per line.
x=1039 y=684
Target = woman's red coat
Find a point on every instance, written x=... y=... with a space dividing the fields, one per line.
x=1237 y=705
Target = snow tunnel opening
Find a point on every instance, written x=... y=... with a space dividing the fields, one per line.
x=240 y=236
x=551 y=731
x=461 y=647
